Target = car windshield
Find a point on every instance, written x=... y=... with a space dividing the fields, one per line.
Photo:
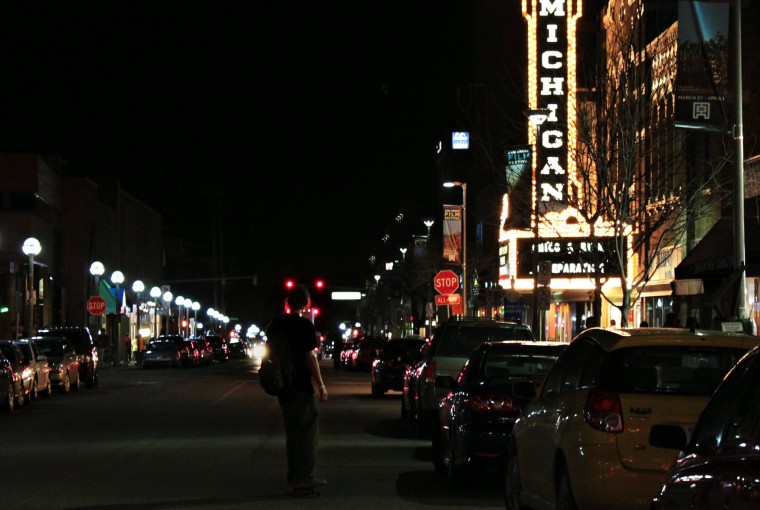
x=50 y=348
x=7 y=351
x=26 y=350
x=461 y=341
x=161 y=346
x=372 y=343
x=403 y=348
x=681 y=370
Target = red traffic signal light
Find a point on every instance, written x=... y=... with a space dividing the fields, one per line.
x=319 y=284
x=184 y=323
x=289 y=284
x=314 y=311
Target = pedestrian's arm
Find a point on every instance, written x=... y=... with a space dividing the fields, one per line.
x=313 y=363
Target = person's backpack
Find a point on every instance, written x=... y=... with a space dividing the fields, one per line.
x=276 y=372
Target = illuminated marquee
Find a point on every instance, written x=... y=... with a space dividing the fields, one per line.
x=552 y=87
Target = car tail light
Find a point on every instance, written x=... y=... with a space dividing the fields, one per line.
x=493 y=403
x=428 y=373
x=603 y=411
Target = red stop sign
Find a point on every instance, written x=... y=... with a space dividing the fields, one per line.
x=446 y=281
x=96 y=305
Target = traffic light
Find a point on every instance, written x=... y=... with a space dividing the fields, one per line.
x=319 y=284
x=314 y=311
x=289 y=284
x=184 y=323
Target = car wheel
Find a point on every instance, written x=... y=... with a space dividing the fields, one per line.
x=32 y=395
x=377 y=390
x=65 y=386
x=21 y=400
x=454 y=472
x=439 y=462
x=89 y=381
x=565 y=499
x=48 y=391
x=10 y=404
x=512 y=481
x=76 y=385
x=404 y=411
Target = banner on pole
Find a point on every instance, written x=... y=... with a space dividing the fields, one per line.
x=452 y=233
x=702 y=72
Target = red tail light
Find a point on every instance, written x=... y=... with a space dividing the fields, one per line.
x=494 y=403
x=603 y=411
x=428 y=373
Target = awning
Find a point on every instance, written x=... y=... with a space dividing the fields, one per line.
x=109 y=294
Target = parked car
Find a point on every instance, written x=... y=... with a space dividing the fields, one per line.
x=193 y=353
x=64 y=362
x=388 y=368
x=162 y=352
x=347 y=353
x=236 y=347
x=81 y=339
x=451 y=344
x=8 y=386
x=221 y=352
x=38 y=363
x=365 y=352
x=476 y=417
x=612 y=415
x=21 y=374
x=718 y=468
x=205 y=350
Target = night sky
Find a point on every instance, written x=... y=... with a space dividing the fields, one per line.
x=309 y=125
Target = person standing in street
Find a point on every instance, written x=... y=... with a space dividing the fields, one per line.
x=299 y=402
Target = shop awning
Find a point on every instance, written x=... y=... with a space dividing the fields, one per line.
x=107 y=292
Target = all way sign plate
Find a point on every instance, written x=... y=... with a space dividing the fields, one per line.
x=448 y=299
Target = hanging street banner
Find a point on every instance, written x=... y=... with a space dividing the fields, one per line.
x=518 y=161
x=452 y=233
x=702 y=72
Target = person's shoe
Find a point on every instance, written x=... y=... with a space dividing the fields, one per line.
x=308 y=483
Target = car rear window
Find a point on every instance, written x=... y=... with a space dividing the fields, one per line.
x=409 y=348
x=680 y=370
x=460 y=341
x=524 y=365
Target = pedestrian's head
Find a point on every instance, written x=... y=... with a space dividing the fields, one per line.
x=298 y=298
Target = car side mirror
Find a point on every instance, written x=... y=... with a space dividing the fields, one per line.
x=524 y=389
x=444 y=381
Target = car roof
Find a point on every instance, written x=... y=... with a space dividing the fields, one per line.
x=610 y=339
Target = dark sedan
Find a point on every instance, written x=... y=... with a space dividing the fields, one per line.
x=477 y=415
x=162 y=352
x=394 y=358
x=219 y=344
x=719 y=466
x=23 y=375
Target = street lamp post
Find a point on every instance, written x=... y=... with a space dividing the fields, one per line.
x=117 y=277
x=97 y=269
x=167 y=297
x=179 y=301
x=428 y=224
x=138 y=287
x=188 y=304
x=196 y=307
x=31 y=248
x=463 y=185
x=155 y=293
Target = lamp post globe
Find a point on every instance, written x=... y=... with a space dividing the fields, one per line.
x=97 y=269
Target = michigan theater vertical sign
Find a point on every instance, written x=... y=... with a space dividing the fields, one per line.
x=552 y=88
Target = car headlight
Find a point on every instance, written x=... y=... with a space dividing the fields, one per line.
x=259 y=351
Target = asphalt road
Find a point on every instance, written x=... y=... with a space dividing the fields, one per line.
x=209 y=437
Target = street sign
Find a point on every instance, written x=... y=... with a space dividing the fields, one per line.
x=96 y=305
x=544 y=297
x=446 y=281
x=544 y=272
x=448 y=299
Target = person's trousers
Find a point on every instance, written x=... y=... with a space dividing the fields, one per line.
x=300 y=414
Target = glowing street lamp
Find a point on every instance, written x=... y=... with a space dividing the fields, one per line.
x=31 y=248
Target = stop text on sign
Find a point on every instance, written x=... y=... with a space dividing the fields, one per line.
x=446 y=282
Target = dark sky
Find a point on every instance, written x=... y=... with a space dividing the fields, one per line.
x=312 y=124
